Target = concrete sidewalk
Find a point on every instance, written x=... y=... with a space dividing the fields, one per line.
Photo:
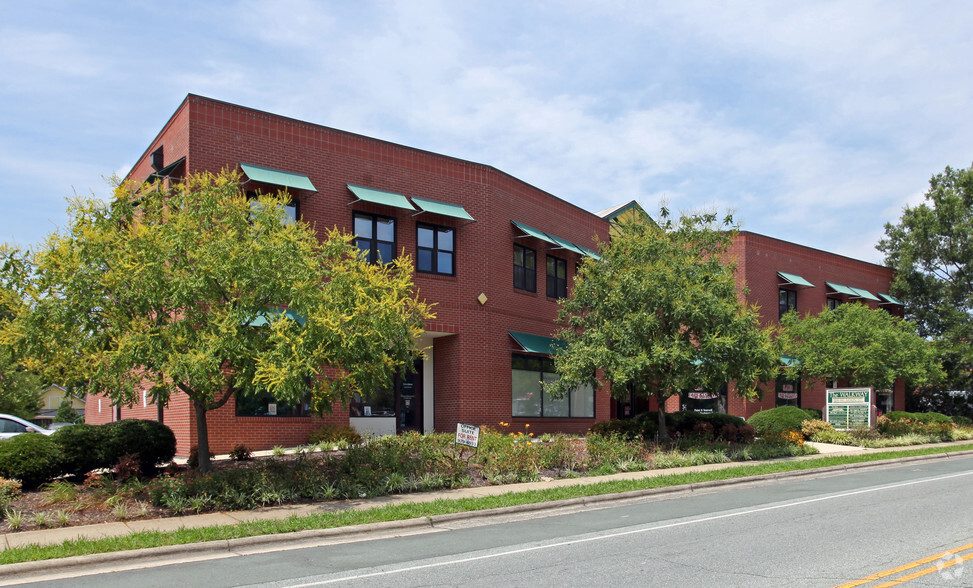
x=118 y=529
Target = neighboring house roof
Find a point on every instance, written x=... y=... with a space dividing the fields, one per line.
x=631 y=210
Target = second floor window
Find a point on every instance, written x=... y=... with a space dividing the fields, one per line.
x=375 y=236
x=291 y=212
x=525 y=268
x=435 y=249
x=557 y=277
x=788 y=301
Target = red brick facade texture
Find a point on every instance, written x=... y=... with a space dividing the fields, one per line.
x=471 y=351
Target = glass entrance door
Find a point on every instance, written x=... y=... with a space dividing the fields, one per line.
x=409 y=401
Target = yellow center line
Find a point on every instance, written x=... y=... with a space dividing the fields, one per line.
x=929 y=570
x=909 y=566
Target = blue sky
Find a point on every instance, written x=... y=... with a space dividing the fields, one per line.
x=814 y=122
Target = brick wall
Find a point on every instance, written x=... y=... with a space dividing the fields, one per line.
x=758 y=260
x=472 y=366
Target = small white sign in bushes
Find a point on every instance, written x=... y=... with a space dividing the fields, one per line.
x=850 y=408
x=468 y=435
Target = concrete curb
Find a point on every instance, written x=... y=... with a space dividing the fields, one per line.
x=229 y=547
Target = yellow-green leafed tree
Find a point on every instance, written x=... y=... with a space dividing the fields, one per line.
x=198 y=290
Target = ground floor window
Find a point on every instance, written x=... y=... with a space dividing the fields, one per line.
x=883 y=401
x=265 y=404
x=530 y=400
x=787 y=392
x=704 y=401
x=378 y=403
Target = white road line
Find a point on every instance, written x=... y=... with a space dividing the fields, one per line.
x=622 y=533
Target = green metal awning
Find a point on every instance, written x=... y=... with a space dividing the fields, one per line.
x=277 y=177
x=889 y=299
x=262 y=319
x=588 y=252
x=865 y=294
x=532 y=232
x=789 y=361
x=567 y=244
x=537 y=343
x=562 y=243
x=380 y=197
x=794 y=280
x=443 y=208
x=841 y=289
x=164 y=172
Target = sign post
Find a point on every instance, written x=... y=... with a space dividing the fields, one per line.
x=850 y=408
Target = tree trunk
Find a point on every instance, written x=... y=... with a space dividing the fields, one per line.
x=202 y=438
x=663 y=432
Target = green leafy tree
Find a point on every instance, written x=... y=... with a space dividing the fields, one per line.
x=930 y=249
x=854 y=343
x=191 y=288
x=66 y=413
x=19 y=388
x=660 y=313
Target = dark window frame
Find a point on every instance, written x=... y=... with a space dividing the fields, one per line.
x=295 y=202
x=546 y=365
x=786 y=300
x=557 y=287
x=527 y=277
x=779 y=384
x=373 y=249
x=436 y=250
x=833 y=302
x=302 y=410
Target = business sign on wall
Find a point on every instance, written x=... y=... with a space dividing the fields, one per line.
x=850 y=408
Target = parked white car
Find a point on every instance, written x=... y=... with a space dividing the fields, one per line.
x=11 y=425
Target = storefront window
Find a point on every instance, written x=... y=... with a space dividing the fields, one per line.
x=379 y=403
x=788 y=392
x=703 y=401
x=883 y=401
x=530 y=400
x=265 y=404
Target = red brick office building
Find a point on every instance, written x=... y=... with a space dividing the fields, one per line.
x=784 y=276
x=492 y=252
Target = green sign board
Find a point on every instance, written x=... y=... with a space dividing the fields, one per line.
x=849 y=408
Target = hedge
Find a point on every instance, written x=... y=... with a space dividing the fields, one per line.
x=776 y=421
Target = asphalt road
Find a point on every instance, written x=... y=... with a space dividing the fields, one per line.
x=809 y=531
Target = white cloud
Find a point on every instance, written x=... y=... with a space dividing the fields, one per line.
x=807 y=119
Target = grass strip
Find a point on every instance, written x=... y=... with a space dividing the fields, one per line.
x=399 y=512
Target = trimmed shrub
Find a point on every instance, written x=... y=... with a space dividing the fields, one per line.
x=9 y=491
x=962 y=421
x=737 y=434
x=815 y=414
x=922 y=417
x=240 y=453
x=627 y=429
x=31 y=458
x=811 y=427
x=697 y=424
x=902 y=426
x=776 y=421
x=833 y=437
x=153 y=443
x=83 y=447
x=333 y=434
